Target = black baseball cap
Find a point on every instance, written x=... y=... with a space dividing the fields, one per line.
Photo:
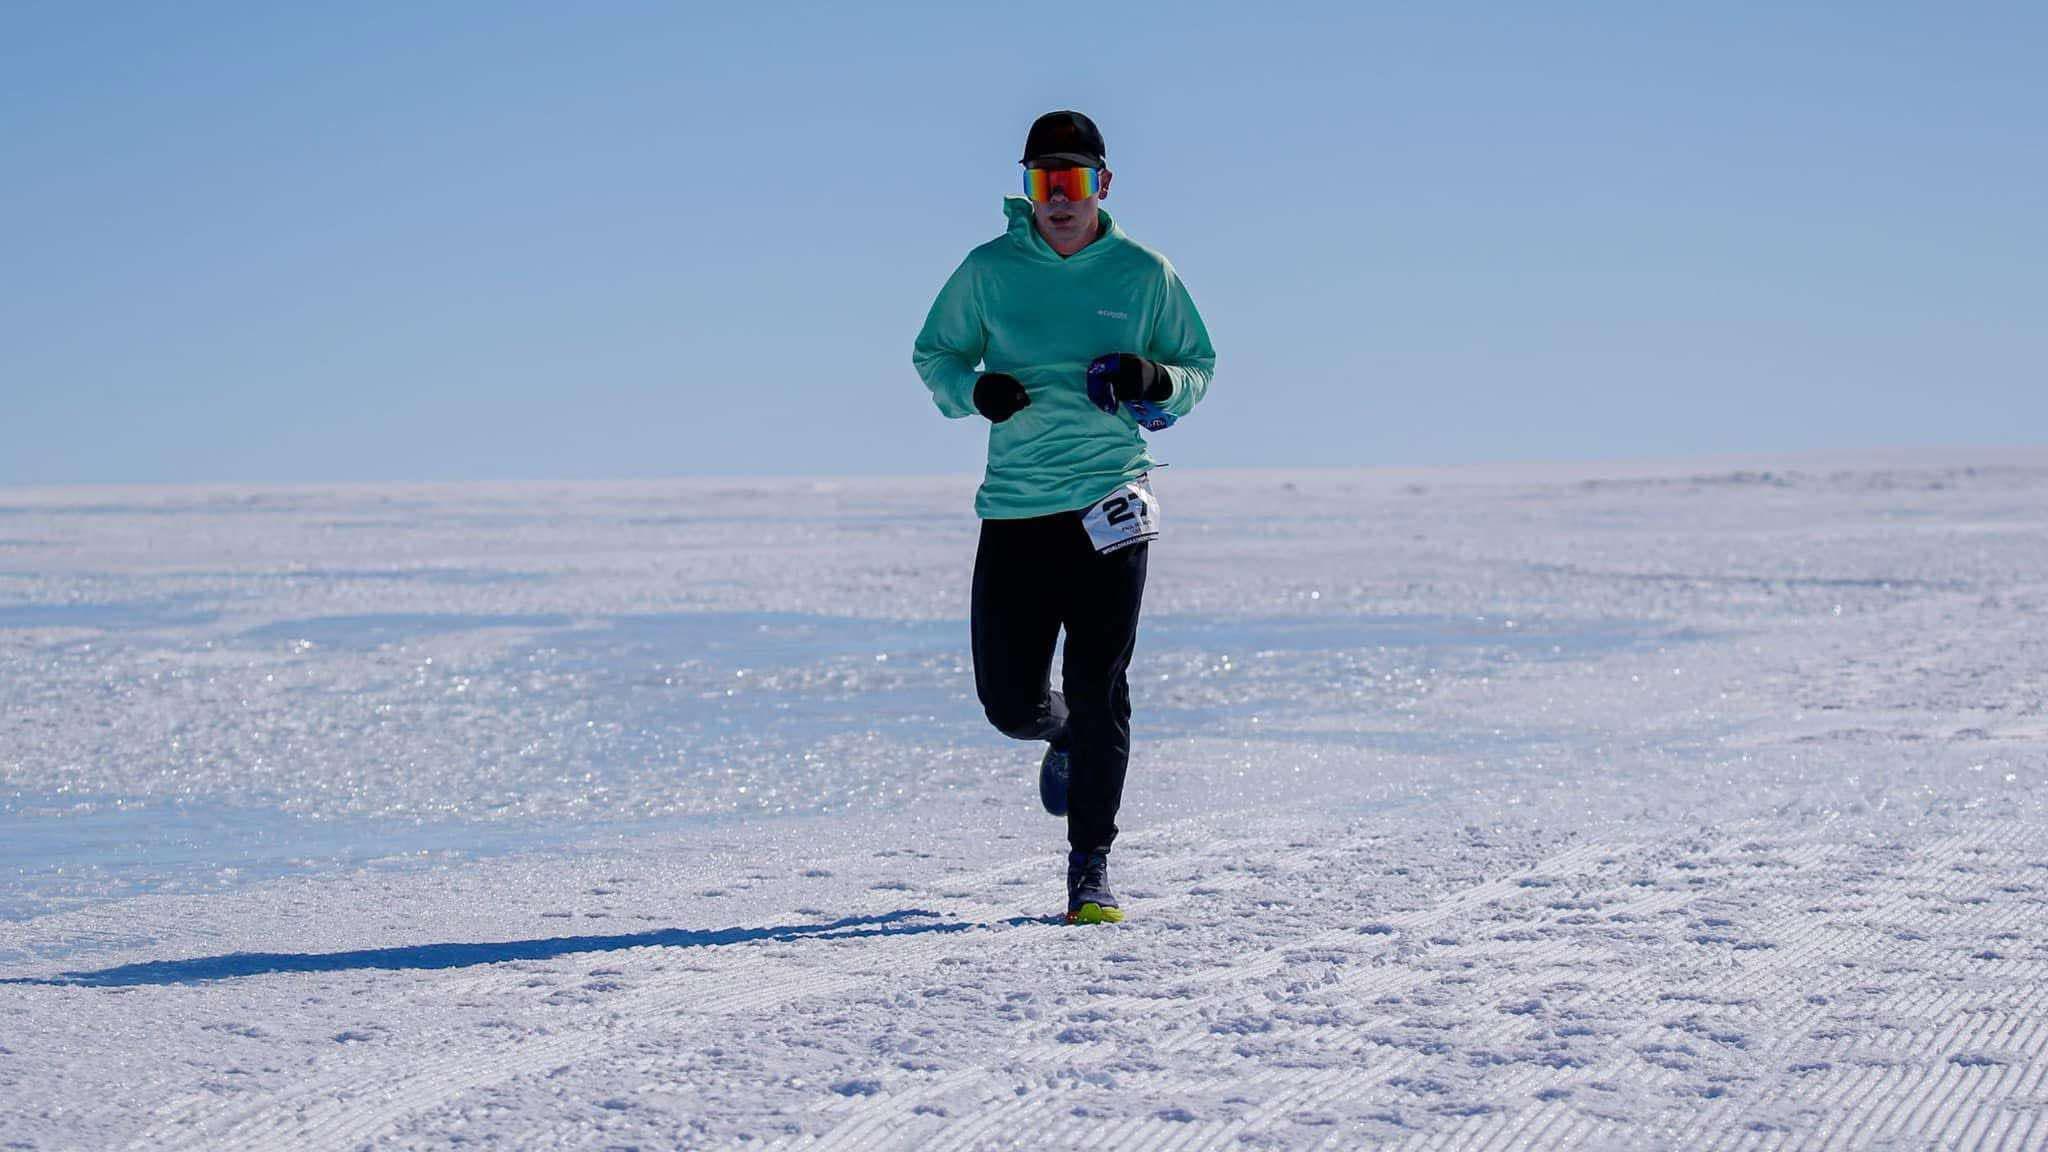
x=1064 y=138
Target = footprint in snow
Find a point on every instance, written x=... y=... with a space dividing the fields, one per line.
x=1470 y=1109
x=249 y=1031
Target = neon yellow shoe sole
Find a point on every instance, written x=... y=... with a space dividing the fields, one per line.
x=1096 y=914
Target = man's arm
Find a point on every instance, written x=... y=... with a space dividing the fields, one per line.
x=1180 y=345
x=951 y=345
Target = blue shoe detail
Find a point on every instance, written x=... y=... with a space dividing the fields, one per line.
x=1053 y=773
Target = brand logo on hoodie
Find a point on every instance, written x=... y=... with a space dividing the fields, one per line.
x=1112 y=315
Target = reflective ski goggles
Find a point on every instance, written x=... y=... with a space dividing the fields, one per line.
x=1073 y=183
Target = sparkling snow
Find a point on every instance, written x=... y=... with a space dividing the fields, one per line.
x=1682 y=804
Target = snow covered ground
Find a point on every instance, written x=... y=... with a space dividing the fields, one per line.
x=1670 y=805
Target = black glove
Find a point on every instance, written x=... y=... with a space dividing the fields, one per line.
x=998 y=396
x=1133 y=378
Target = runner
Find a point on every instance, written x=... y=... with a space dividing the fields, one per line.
x=1068 y=336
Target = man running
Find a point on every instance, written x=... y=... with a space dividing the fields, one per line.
x=1068 y=336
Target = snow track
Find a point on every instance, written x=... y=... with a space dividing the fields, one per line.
x=1754 y=1014
x=1728 y=1021
x=1673 y=808
x=1787 y=988
x=344 y=1106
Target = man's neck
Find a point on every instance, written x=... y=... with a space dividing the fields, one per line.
x=1094 y=234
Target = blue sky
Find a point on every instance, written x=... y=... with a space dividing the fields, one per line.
x=284 y=243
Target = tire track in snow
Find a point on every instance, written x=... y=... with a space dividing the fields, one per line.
x=340 y=1120
x=865 y=1124
x=1014 y=1113
x=1866 y=1098
x=855 y=1130
x=335 y=1099
x=1823 y=939
x=1534 y=963
x=1787 y=975
x=351 y=1103
x=1801 y=957
x=1804 y=959
x=329 y=1110
x=1364 y=985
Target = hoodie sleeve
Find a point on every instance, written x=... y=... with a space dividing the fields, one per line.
x=951 y=344
x=1180 y=343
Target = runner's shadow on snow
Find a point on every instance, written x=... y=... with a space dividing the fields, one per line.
x=908 y=922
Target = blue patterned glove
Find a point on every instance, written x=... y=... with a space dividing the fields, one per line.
x=1151 y=417
x=1133 y=381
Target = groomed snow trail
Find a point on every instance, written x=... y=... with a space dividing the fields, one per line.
x=1676 y=807
x=1813 y=988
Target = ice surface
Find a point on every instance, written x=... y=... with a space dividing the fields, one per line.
x=1671 y=805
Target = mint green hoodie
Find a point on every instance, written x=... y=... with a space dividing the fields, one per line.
x=1015 y=306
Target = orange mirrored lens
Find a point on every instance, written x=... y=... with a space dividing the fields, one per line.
x=1073 y=183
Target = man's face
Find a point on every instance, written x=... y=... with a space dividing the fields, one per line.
x=1066 y=224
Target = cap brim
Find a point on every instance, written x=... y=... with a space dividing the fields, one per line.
x=1070 y=159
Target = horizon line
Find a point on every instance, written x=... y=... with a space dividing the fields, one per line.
x=1865 y=456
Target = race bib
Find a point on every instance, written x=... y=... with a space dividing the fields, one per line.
x=1126 y=516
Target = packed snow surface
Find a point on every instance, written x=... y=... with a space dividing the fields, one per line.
x=1680 y=805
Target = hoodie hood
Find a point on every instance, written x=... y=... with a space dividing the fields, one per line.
x=1023 y=230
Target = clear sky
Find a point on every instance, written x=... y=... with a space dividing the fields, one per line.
x=313 y=243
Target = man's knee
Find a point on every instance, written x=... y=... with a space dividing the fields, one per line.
x=1019 y=723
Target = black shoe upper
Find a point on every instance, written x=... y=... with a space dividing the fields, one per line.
x=1088 y=880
